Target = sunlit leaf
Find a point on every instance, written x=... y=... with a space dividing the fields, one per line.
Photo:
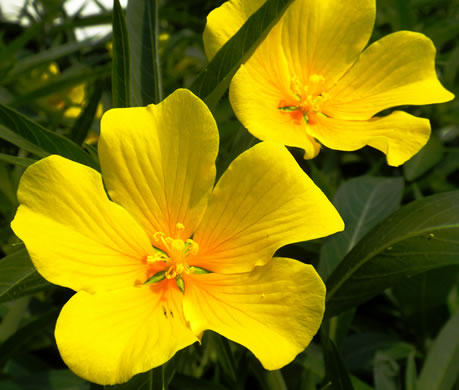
x=214 y=80
x=43 y=140
x=145 y=76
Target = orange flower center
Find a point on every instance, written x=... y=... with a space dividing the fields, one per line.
x=307 y=99
x=174 y=255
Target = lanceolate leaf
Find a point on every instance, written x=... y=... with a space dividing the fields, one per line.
x=420 y=236
x=441 y=368
x=362 y=202
x=18 y=276
x=120 y=72
x=214 y=80
x=336 y=371
x=27 y=132
x=145 y=77
x=21 y=161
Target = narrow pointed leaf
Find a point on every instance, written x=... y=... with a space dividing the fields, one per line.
x=36 y=139
x=45 y=57
x=145 y=77
x=18 y=276
x=20 y=161
x=120 y=72
x=214 y=80
x=336 y=372
x=421 y=236
x=441 y=368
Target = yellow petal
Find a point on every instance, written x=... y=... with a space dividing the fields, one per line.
x=399 y=135
x=108 y=337
x=75 y=235
x=159 y=161
x=255 y=101
x=262 y=202
x=274 y=311
x=225 y=21
x=398 y=69
x=325 y=37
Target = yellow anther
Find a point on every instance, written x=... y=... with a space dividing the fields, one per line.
x=192 y=246
x=180 y=226
x=316 y=78
x=157 y=236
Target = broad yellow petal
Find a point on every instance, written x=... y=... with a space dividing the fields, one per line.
x=262 y=202
x=108 y=337
x=399 y=135
x=398 y=69
x=274 y=311
x=256 y=100
x=325 y=37
x=159 y=161
x=75 y=235
x=225 y=21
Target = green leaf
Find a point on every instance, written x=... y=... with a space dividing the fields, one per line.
x=33 y=137
x=185 y=382
x=214 y=80
x=362 y=202
x=421 y=236
x=20 y=161
x=83 y=124
x=410 y=372
x=18 y=277
x=221 y=348
x=120 y=72
x=427 y=158
x=26 y=334
x=385 y=372
x=44 y=57
x=336 y=373
x=145 y=77
x=441 y=368
x=62 y=83
x=422 y=301
x=360 y=349
x=139 y=382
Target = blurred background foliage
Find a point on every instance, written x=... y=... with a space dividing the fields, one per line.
x=406 y=337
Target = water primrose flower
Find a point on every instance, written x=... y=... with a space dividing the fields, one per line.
x=309 y=81
x=167 y=255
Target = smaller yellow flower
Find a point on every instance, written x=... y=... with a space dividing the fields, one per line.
x=169 y=255
x=310 y=81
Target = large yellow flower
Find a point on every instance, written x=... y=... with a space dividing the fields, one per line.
x=310 y=81
x=168 y=255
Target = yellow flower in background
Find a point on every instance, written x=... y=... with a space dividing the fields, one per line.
x=310 y=81
x=70 y=100
x=169 y=255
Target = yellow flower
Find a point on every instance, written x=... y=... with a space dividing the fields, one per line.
x=310 y=81
x=168 y=255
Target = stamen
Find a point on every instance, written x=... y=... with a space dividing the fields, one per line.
x=191 y=246
x=309 y=98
